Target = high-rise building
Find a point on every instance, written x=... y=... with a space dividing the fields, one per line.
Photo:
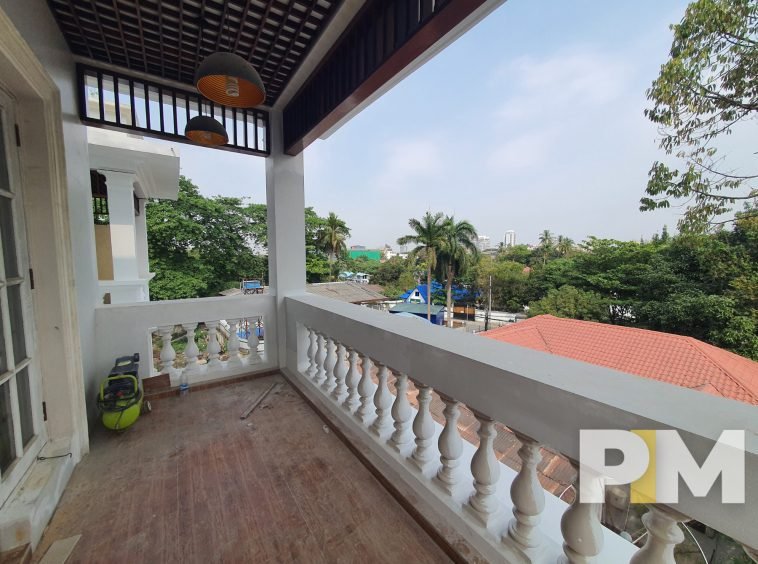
x=483 y=242
x=510 y=238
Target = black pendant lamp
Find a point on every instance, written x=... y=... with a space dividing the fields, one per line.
x=229 y=80
x=205 y=130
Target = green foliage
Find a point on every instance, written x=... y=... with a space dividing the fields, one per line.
x=457 y=254
x=509 y=282
x=332 y=235
x=708 y=85
x=200 y=246
x=571 y=302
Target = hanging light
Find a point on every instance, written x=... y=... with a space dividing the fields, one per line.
x=230 y=80
x=206 y=131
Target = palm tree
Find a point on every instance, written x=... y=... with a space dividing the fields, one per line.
x=334 y=233
x=564 y=246
x=455 y=255
x=546 y=244
x=428 y=236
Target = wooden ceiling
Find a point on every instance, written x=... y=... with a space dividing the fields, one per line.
x=169 y=38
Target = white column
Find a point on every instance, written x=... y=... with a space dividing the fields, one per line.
x=581 y=528
x=122 y=223
x=401 y=414
x=329 y=363
x=312 y=350
x=450 y=446
x=233 y=343
x=191 y=351
x=366 y=391
x=214 y=347
x=423 y=428
x=382 y=402
x=353 y=378
x=168 y=354
x=527 y=496
x=663 y=534
x=320 y=358
x=486 y=471
x=285 y=203
x=340 y=373
x=140 y=225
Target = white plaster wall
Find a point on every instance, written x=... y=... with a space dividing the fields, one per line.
x=36 y=24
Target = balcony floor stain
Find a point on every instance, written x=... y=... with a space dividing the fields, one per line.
x=192 y=482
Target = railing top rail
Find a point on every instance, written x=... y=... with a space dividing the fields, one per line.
x=544 y=396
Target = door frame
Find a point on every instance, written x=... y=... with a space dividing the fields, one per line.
x=44 y=184
x=25 y=454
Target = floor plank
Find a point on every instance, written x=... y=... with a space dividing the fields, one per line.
x=192 y=482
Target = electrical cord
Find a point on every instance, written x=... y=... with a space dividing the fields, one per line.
x=70 y=455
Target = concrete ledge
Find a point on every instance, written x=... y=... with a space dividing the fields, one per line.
x=27 y=512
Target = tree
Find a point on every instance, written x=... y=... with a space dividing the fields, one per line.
x=571 y=302
x=428 y=236
x=199 y=246
x=546 y=245
x=334 y=233
x=456 y=254
x=707 y=87
x=565 y=246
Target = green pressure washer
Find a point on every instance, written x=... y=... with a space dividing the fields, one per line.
x=121 y=395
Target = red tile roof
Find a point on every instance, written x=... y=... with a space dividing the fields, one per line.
x=675 y=359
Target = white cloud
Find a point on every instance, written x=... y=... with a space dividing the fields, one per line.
x=407 y=161
x=563 y=82
x=525 y=151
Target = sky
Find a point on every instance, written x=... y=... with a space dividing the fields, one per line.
x=532 y=120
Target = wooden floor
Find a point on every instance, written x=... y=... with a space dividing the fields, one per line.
x=191 y=482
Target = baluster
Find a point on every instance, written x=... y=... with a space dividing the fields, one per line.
x=382 y=402
x=320 y=359
x=214 y=347
x=191 y=352
x=662 y=525
x=450 y=446
x=340 y=373
x=365 y=390
x=233 y=343
x=329 y=363
x=423 y=428
x=312 y=349
x=253 y=342
x=751 y=552
x=581 y=528
x=401 y=414
x=168 y=354
x=352 y=380
x=486 y=470
x=527 y=496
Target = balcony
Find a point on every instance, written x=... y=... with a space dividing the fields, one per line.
x=380 y=383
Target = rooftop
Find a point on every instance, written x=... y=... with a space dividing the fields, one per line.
x=674 y=359
x=350 y=292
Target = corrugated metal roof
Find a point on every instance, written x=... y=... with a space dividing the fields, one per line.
x=350 y=292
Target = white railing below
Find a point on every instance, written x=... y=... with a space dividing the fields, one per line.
x=128 y=328
x=343 y=357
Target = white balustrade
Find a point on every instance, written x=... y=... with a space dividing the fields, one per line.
x=233 y=343
x=450 y=446
x=353 y=378
x=485 y=469
x=423 y=428
x=382 y=425
x=312 y=354
x=446 y=492
x=581 y=528
x=191 y=352
x=340 y=373
x=168 y=354
x=401 y=414
x=329 y=363
x=253 y=340
x=214 y=347
x=527 y=496
x=663 y=534
x=365 y=410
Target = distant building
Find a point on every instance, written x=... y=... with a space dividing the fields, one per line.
x=370 y=254
x=406 y=309
x=483 y=242
x=510 y=238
